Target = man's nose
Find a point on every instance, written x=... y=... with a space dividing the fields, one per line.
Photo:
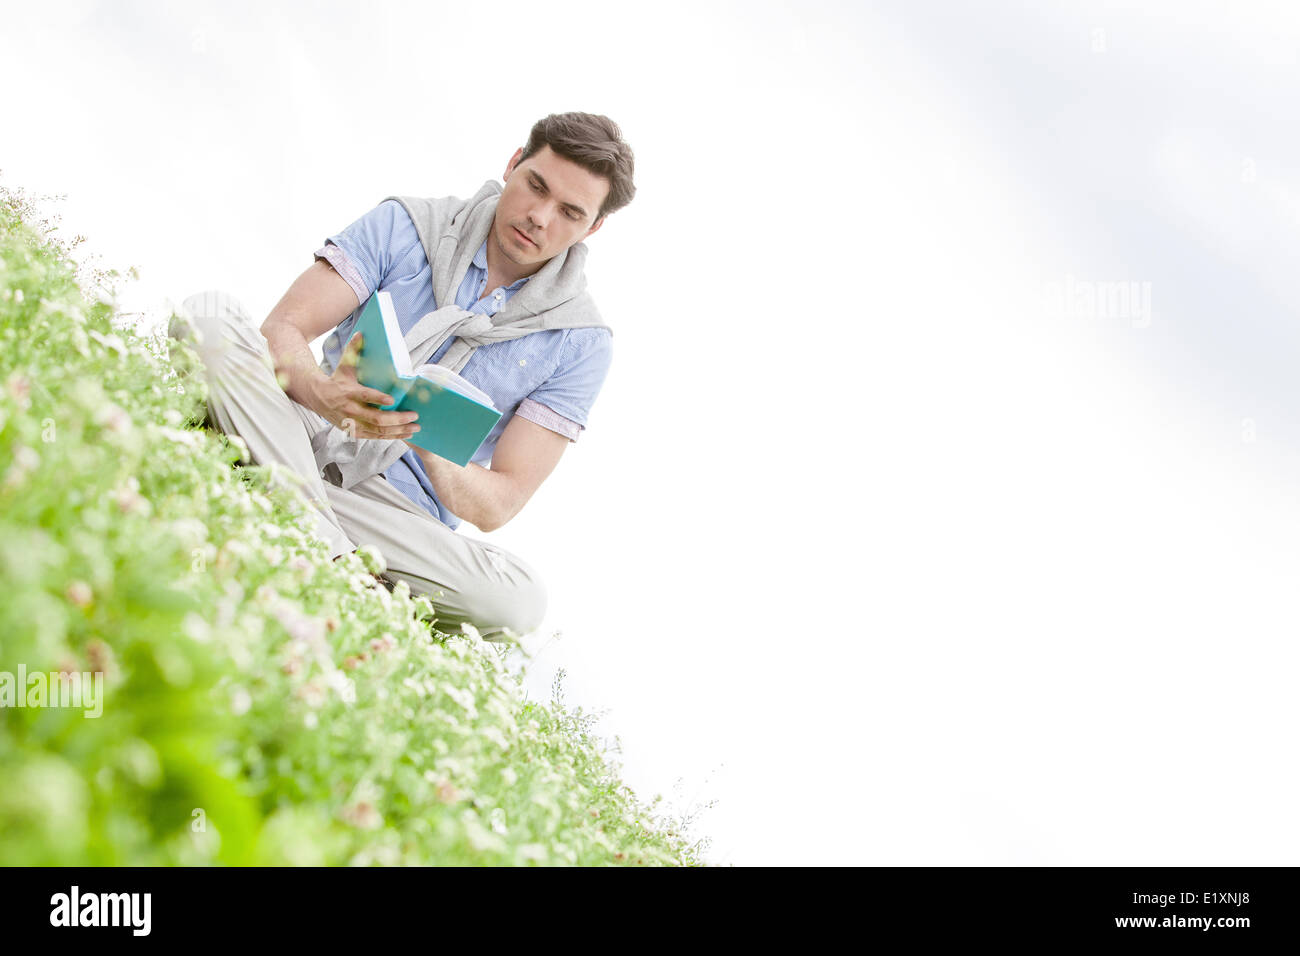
x=540 y=215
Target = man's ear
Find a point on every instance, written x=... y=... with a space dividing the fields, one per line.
x=599 y=222
x=514 y=161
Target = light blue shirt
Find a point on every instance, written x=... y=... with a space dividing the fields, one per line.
x=551 y=377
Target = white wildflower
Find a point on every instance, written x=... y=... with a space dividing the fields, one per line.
x=79 y=593
x=190 y=531
x=128 y=499
x=447 y=793
x=25 y=462
x=25 y=458
x=464 y=698
x=362 y=815
x=309 y=630
x=240 y=702
x=311 y=693
x=196 y=628
x=112 y=341
x=533 y=851
x=19 y=387
x=341 y=685
x=114 y=418
x=182 y=436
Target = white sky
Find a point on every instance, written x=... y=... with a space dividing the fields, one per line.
x=865 y=541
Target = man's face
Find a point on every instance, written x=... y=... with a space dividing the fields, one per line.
x=547 y=205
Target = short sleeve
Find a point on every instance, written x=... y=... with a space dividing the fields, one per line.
x=571 y=390
x=367 y=251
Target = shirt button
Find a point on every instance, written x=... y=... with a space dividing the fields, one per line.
x=523 y=362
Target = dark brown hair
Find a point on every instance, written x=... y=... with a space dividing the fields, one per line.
x=595 y=143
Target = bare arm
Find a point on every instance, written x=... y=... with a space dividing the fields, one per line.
x=318 y=300
x=524 y=457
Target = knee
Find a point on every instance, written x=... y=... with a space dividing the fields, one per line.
x=209 y=314
x=516 y=599
x=213 y=323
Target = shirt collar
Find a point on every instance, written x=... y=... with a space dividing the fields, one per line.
x=480 y=261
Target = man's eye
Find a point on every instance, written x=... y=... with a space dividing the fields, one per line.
x=536 y=188
x=571 y=214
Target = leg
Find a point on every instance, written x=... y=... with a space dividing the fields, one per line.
x=244 y=399
x=466 y=579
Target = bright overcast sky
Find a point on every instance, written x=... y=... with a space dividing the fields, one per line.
x=895 y=531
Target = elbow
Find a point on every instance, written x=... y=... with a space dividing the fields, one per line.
x=492 y=522
x=498 y=517
x=492 y=498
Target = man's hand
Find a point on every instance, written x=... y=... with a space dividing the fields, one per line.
x=351 y=406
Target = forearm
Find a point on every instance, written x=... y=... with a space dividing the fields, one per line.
x=474 y=493
x=295 y=366
x=319 y=299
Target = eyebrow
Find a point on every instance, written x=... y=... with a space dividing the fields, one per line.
x=568 y=205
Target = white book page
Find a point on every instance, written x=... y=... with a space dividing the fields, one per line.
x=441 y=375
x=393 y=329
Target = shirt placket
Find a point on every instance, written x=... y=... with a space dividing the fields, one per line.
x=492 y=304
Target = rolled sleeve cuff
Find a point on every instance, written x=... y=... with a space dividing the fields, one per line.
x=344 y=267
x=539 y=414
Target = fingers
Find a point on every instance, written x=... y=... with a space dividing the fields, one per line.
x=354 y=430
x=364 y=422
x=395 y=431
x=351 y=352
x=353 y=391
x=372 y=397
x=390 y=419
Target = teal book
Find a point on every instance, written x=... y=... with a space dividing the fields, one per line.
x=455 y=416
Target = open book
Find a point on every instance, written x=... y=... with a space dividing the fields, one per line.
x=455 y=416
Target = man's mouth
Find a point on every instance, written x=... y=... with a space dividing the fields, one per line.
x=524 y=237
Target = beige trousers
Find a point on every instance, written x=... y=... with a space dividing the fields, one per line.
x=466 y=579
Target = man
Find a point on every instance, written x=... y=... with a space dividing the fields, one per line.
x=492 y=287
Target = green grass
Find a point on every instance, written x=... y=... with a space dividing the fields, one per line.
x=261 y=704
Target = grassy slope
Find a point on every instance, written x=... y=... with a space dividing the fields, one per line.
x=262 y=704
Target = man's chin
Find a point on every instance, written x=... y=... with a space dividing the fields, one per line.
x=509 y=250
